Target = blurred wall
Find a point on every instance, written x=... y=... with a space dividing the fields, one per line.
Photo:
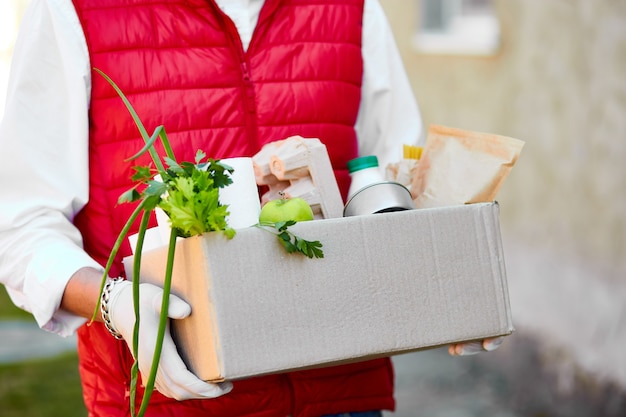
x=558 y=83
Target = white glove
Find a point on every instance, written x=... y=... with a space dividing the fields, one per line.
x=173 y=379
x=472 y=348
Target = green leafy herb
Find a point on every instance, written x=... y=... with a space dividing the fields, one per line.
x=192 y=200
x=293 y=243
x=188 y=193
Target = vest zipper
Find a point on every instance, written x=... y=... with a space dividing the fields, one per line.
x=247 y=81
x=250 y=103
x=251 y=139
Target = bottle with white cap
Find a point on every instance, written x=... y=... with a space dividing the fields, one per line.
x=364 y=171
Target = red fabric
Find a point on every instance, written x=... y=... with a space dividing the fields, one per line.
x=181 y=64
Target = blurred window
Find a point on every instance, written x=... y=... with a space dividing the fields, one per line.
x=464 y=27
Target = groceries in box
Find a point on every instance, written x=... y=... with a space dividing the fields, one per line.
x=388 y=283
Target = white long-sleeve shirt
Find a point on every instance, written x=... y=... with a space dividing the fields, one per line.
x=44 y=172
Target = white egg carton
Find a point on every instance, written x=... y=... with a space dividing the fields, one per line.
x=299 y=167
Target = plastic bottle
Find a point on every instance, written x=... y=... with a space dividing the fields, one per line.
x=364 y=171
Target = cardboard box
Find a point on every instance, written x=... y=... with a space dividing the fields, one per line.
x=388 y=284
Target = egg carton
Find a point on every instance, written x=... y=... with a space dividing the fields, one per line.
x=299 y=167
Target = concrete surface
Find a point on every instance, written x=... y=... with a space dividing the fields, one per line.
x=23 y=340
x=559 y=299
x=518 y=380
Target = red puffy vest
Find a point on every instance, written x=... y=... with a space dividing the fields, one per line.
x=181 y=64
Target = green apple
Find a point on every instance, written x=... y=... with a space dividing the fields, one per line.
x=286 y=209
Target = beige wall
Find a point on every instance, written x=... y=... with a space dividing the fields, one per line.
x=558 y=83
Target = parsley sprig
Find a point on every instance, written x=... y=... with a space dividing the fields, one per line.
x=188 y=193
x=293 y=243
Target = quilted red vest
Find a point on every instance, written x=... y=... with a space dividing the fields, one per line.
x=182 y=65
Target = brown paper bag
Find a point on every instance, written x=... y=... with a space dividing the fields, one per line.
x=461 y=167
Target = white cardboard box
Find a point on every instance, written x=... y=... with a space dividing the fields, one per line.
x=388 y=284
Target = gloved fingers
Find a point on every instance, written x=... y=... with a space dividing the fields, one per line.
x=493 y=343
x=147 y=345
x=122 y=309
x=173 y=379
x=196 y=389
x=177 y=309
x=176 y=381
x=465 y=349
x=472 y=348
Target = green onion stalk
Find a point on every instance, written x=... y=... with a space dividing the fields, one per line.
x=184 y=183
x=189 y=194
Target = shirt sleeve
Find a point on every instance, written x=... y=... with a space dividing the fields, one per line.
x=389 y=115
x=43 y=143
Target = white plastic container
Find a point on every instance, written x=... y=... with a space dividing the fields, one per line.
x=364 y=172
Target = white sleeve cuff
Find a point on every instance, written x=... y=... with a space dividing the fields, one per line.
x=45 y=284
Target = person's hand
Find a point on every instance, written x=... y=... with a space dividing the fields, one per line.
x=173 y=378
x=472 y=348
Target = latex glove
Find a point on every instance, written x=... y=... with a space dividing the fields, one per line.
x=173 y=378
x=472 y=348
